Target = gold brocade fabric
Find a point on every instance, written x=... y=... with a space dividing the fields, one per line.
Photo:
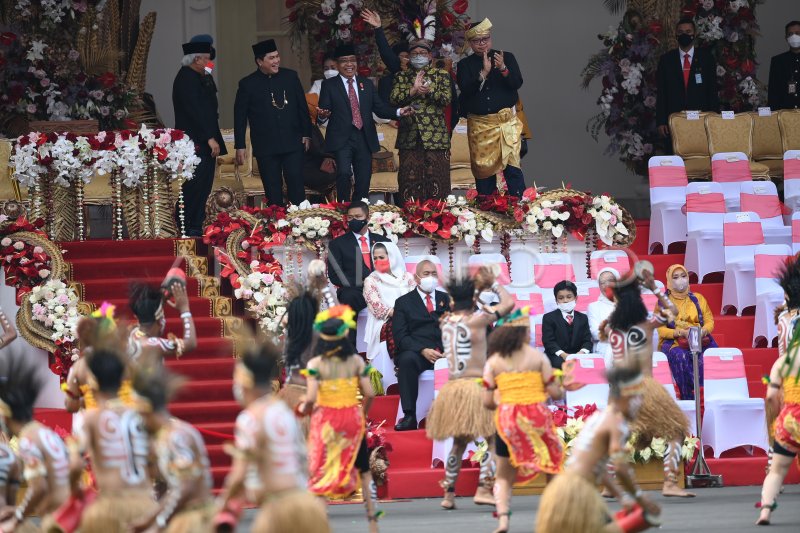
x=494 y=142
x=338 y=393
x=791 y=391
x=520 y=388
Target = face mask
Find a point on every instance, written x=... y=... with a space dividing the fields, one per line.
x=330 y=73
x=609 y=293
x=381 y=265
x=794 y=41
x=419 y=62
x=356 y=225
x=680 y=284
x=685 y=40
x=209 y=67
x=428 y=284
x=238 y=393
x=567 y=307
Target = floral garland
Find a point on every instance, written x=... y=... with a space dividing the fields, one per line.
x=570 y=422
x=607 y=215
x=390 y=224
x=626 y=67
x=26 y=265
x=449 y=220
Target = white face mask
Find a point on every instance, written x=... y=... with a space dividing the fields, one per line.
x=567 y=307
x=793 y=40
x=330 y=73
x=680 y=284
x=428 y=284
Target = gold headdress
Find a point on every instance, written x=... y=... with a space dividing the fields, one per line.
x=482 y=29
x=518 y=319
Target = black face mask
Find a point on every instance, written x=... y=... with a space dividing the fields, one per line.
x=685 y=40
x=356 y=225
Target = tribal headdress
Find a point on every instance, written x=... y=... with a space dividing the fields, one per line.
x=417 y=20
x=340 y=313
x=517 y=319
x=20 y=384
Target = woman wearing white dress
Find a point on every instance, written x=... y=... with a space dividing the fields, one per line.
x=600 y=310
x=388 y=281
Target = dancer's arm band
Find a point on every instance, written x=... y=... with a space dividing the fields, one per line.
x=186 y=314
x=775 y=386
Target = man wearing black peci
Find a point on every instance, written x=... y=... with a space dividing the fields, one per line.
x=350 y=259
x=784 y=72
x=686 y=78
x=417 y=337
x=194 y=99
x=348 y=101
x=273 y=102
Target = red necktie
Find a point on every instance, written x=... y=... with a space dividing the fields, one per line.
x=354 y=109
x=687 y=67
x=365 y=252
x=569 y=320
x=429 y=303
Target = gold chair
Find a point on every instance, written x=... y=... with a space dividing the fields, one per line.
x=789 y=122
x=386 y=182
x=461 y=177
x=247 y=182
x=690 y=142
x=767 y=144
x=734 y=135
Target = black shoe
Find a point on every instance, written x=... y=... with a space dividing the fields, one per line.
x=408 y=423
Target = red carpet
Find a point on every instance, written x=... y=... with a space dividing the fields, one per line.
x=106 y=268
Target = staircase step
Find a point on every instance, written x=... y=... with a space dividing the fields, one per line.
x=216 y=432
x=424 y=482
x=712 y=292
x=410 y=449
x=661 y=262
x=217 y=456
x=97 y=290
x=105 y=248
x=209 y=390
x=384 y=408
x=146 y=266
x=194 y=367
x=206 y=326
x=742 y=471
x=198 y=306
x=738 y=330
x=199 y=413
x=763 y=357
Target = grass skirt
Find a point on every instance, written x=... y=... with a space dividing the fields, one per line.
x=458 y=412
x=659 y=417
x=198 y=519
x=570 y=504
x=27 y=526
x=291 y=395
x=292 y=512
x=115 y=512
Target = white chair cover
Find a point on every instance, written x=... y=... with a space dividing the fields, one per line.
x=791 y=179
x=731 y=418
x=742 y=232
x=769 y=295
x=663 y=374
x=591 y=370
x=728 y=169
x=424 y=397
x=478 y=260
x=761 y=197
x=668 y=183
x=796 y=232
x=616 y=259
x=705 y=212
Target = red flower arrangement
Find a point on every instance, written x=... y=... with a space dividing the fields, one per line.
x=502 y=204
x=431 y=218
x=25 y=265
x=579 y=220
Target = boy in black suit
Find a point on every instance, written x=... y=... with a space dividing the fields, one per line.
x=686 y=78
x=349 y=100
x=415 y=327
x=565 y=331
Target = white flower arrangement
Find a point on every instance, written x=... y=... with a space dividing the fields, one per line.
x=607 y=215
x=388 y=223
x=310 y=228
x=55 y=304
x=264 y=296
x=546 y=217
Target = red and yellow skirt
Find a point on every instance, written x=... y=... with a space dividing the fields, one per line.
x=787 y=425
x=526 y=426
x=334 y=437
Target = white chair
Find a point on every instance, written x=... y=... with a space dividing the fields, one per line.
x=769 y=260
x=478 y=260
x=741 y=234
x=650 y=300
x=549 y=269
x=731 y=417
x=413 y=260
x=441 y=448
x=668 y=183
x=616 y=259
x=588 y=292
x=663 y=374
x=590 y=369
x=761 y=197
x=530 y=297
x=791 y=179
x=705 y=213
x=795 y=232
x=361 y=326
x=536 y=331
x=729 y=169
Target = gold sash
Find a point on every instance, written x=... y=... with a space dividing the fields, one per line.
x=494 y=142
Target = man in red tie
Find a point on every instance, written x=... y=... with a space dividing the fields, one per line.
x=348 y=101
x=417 y=337
x=349 y=259
x=686 y=78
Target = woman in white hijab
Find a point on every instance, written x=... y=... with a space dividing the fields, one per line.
x=600 y=310
x=388 y=281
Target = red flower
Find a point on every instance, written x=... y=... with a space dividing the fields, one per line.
x=472 y=194
x=748 y=67
x=732 y=62
x=292 y=16
x=359 y=24
x=530 y=194
x=560 y=418
x=519 y=215
x=448 y=19
x=290 y=4
x=656 y=27
x=7 y=38
x=460 y=6
x=108 y=80
x=364 y=70
x=160 y=153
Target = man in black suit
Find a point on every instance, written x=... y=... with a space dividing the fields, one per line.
x=349 y=101
x=784 y=72
x=272 y=100
x=417 y=337
x=350 y=260
x=194 y=98
x=686 y=78
x=565 y=331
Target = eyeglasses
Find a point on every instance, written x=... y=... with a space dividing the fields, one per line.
x=480 y=40
x=347 y=60
x=420 y=54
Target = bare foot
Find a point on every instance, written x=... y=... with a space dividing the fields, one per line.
x=373 y=526
x=763 y=518
x=449 y=501
x=483 y=496
x=502 y=523
x=671 y=489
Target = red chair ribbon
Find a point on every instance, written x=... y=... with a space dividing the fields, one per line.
x=705 y=203
x=668 y=176
x=742 y=233
x=764 y=205
x=723 y=171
